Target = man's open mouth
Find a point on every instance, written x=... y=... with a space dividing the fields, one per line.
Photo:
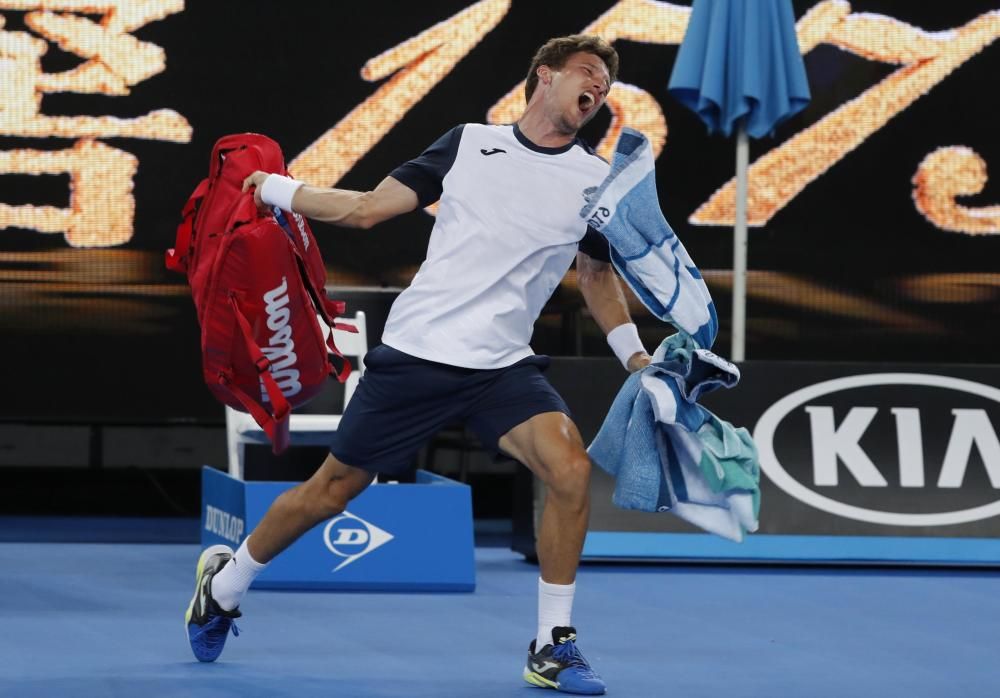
x=586 y=102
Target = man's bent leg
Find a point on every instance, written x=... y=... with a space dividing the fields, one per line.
x=550 y=445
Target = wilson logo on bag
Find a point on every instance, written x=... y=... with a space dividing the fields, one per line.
x=258 y=283
x=281 y=345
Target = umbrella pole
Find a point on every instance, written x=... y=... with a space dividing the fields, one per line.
x=740 y=246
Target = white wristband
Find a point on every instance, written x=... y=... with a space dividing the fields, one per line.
x=278 y=190
x=625 y=342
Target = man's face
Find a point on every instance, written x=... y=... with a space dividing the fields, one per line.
x=577 y=91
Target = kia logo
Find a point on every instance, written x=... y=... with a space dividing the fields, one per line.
x=837 y=452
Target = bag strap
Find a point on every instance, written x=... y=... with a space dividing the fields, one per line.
x=177 y=257
x=334 y=308
x=276 y=425
x=342 y=373
x=277 y=431
x=328 y=310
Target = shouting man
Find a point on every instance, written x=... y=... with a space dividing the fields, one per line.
x=456 y=343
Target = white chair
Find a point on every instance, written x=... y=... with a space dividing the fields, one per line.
x=305 y=429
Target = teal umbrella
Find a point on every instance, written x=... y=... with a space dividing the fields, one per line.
x=739 y=67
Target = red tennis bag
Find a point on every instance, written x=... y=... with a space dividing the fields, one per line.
x=258 y=282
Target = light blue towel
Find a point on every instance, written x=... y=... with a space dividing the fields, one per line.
x=667 y=452
x=644 y=248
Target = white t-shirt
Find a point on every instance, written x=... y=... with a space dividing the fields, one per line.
x=507 y=230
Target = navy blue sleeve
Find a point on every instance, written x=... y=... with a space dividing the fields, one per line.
x=595 y=246
x=424 y=174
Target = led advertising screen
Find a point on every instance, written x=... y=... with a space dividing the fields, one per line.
x=874 y=221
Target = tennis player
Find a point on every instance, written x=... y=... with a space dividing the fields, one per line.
x=456 y=343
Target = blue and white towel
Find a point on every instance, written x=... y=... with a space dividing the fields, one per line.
x=644 y=249
x=667 y=452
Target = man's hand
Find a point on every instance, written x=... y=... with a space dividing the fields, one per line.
x=256 y=180
x=638 y=361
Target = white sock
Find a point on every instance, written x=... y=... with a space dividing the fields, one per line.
x=555 y=607
x=233 y=580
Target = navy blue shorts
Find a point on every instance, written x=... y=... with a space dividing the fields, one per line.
x=402 y=401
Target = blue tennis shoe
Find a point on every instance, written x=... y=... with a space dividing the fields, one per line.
x=207 y=624
x=561 y=666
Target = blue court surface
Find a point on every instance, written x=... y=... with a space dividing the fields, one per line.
x=100 y=619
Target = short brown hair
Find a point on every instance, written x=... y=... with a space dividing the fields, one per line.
x=555 y=52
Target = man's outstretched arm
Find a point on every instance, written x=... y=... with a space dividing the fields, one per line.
x=350 y=209
x=604 y=297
